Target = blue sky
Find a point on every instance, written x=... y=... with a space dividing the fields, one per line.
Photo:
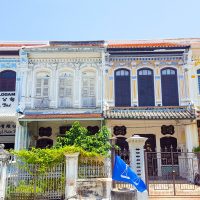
x=98 y=19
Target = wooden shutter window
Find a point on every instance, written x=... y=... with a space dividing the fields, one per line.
x=66 y=90
x=88 y=89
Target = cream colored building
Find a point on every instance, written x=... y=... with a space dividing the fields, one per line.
x=155 y=99
x=62 y=83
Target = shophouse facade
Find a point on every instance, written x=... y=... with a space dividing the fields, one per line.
x=193 y=75
x=147 y=94
x=9 y=90
x=62 y=84
x=137 y=87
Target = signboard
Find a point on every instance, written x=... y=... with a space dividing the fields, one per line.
x=7 y=128
x=7 y=100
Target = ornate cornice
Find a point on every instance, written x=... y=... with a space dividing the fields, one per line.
x=65 y=60
x=59 y=65
x=158 y=58
x=64 y=49
x=9 y=63
x=145 y=63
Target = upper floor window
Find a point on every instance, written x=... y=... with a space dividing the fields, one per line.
x=145 y=80
x=88 y=89
x=7 y=80
x=122 y=88
x=42 y=90
x=169 y=86
x=198 y=75
x=65 y=90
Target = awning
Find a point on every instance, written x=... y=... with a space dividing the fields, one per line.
x=61 y=117
x=5 y=117
x=150 y=113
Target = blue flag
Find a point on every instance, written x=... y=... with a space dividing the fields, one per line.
x=122 y=172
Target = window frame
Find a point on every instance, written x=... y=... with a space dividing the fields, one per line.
x=64 y=77
x=198 y=81
x=7 y=80
x=90 y=79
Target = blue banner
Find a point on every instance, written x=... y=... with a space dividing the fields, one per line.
x=122 y=172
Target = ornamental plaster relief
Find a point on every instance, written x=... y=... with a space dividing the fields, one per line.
x=168 y=63
x=65 y=61
x=8 y=65
x=65 y=50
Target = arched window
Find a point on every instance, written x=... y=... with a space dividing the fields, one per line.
x=65 y=90
x=122 y=88
x=7 y=81
x=88 y=89
x=146 y=87
x=198 y=75
x=42 y=89
x=169 y=85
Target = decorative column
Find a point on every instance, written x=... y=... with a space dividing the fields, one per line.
x=136 y=148
x=71 y=175
x=77 y=86
x=21 y=136
x=4 y=157
x=191 y=136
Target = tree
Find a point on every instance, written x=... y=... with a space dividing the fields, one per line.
x=80 y=137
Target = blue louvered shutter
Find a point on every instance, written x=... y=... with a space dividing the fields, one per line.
x=146 y=87
x=122 y=88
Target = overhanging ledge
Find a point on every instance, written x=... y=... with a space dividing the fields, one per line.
x=61 y=117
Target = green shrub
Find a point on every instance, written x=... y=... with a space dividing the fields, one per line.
x=80 y=137
x=196 y=149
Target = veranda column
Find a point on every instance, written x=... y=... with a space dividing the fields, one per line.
x=136 y=148
x=21 y=136
x=191 y=136
x=71 y=175
x=4 y=157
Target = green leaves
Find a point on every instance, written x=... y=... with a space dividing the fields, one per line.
x=80 y=137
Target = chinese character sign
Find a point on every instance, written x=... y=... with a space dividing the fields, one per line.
x=7 y=101
x=7 y=128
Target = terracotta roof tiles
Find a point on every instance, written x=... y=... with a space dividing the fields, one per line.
x=150 y=113
x=61 y=116
x=144 y=44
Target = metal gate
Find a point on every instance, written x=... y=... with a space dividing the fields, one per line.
x=125 y=156
x=172 y=173
x=28 y=183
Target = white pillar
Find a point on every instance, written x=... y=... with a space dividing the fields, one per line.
x=4 y=157
x=71 y=175
x=136 y=148
x=21 y=136
x=191 y=136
